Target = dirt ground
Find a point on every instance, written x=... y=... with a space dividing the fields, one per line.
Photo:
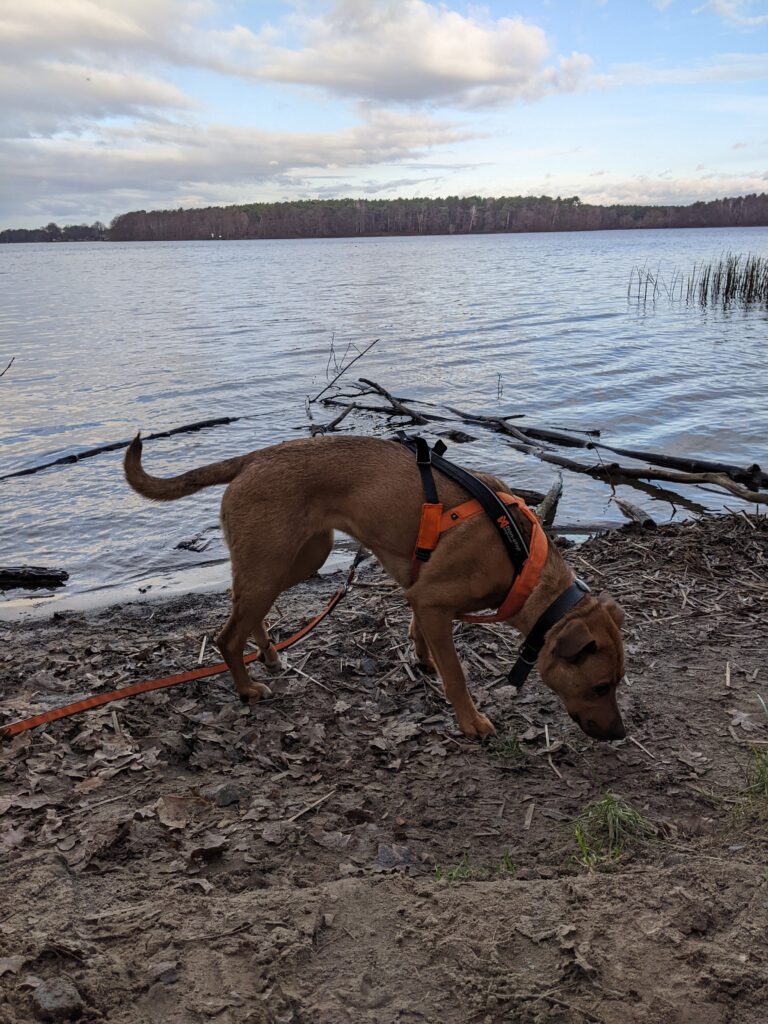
x=340 y=853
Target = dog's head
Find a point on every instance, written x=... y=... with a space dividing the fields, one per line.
x=583 y=662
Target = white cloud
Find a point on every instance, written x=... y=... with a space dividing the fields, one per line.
x=737 y=12
x=667 y=189
x=46 y=97
x=156 y=164
x=411 y=51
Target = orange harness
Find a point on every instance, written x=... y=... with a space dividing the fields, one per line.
x=434 y=522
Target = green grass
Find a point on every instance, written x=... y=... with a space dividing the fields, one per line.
x=506 y=868
x=460 y=872
x=507 y=748
x=465 y=871
x=608 y=827
x=757 y=774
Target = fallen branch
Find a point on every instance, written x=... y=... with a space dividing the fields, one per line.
x=614 y=473
x=753 y=476
x=546 y=510
x=89 y=453
x=324 y=428
x=343 y=370
x=635 y=514
x=397 y=405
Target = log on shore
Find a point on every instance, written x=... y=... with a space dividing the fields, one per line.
x=31 y=577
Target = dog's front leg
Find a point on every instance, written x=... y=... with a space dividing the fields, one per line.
x=436 y=627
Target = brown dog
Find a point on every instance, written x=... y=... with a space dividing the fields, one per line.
x=278 y=515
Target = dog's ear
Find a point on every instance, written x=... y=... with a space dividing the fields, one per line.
x=616 y=612
x=573 y=640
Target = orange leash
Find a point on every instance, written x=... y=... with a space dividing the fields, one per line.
x=7 y=731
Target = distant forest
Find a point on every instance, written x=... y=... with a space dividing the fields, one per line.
x=336 y=218
x=96 y=232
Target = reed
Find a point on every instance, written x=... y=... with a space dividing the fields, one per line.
x=733 y=280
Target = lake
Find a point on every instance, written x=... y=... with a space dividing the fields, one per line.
x=109 y=338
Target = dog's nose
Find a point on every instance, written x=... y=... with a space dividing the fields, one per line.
x=615 y=731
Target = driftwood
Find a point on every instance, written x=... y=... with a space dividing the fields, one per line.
x=117 y=445
x=324 y=428
x=31 y=577
x=546 y=510
x=613 y=473
x=397 y=405
x=752 y=476
x=523 y=438
x=635 y=514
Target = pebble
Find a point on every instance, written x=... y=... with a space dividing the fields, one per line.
x=57 y=999
x=226 y=794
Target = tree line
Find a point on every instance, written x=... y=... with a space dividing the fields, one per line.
x=329 y=218
x=96 y=232
x=333 y=218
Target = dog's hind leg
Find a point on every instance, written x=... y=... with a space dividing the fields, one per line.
x=248 y=611
x=424 y=657
x=436 y=626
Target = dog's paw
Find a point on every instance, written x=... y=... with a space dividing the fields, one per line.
x=255 y=691
x=427 y=667
x=480 y=728
x=275 y=665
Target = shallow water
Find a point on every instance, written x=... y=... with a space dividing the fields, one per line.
x=110 y=338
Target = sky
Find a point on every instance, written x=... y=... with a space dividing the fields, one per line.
x=115 y=105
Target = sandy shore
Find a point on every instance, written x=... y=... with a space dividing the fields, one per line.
x=340 y=853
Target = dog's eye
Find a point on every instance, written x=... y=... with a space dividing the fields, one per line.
x=600 y=691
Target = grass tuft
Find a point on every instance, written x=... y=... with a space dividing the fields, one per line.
x=606 y=828
x=507 y=747
x=464 y=871
x=757 y=774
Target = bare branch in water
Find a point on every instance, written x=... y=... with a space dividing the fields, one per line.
x=343 y=370
x=8 y=366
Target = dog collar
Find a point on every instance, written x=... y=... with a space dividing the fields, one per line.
x=529 y=652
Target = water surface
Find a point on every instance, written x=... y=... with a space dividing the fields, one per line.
x=110 y=338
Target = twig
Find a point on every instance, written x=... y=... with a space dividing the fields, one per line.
x=343 y=370
x=8 y=367
x=644 y=749
x=312 y=806
x=396 y=404
x=323 y=428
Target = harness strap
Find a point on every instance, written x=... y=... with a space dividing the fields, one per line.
x=528 y=561
x=431 y=510
x=513 y=539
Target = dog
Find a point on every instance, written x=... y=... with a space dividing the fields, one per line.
x=278 y=515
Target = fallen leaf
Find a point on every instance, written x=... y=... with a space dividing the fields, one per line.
x=11 y=964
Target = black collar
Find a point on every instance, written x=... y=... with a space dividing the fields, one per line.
x=533 y=643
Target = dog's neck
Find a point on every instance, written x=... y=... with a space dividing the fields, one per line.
x=555 y=577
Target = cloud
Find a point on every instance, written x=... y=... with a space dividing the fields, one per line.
x=723 y=67
x=156 y=164
x=667 y=189
x=736 y=12
x=46 y=97
x=411 y=51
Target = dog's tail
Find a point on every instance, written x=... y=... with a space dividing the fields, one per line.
x=170 y=488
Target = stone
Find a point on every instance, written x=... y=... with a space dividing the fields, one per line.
x=226 y=794
x=57 y=999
